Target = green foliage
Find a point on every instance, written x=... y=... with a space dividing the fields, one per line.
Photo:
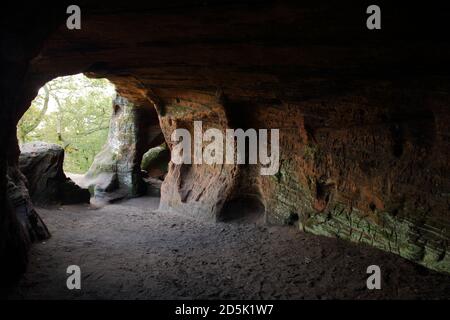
x=77 y=118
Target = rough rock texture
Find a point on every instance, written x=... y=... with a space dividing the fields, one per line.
x=363 y=115
x=115 y=167
x=368 y=174
x=18 y=193
x=155 y=161
x=20 y=229
x=195 y=189
x=116 y=172
x=42 y=165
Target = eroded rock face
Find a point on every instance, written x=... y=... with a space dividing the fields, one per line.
x=155 y=161
x=154 y=167
x=35 y=229
x=115 y=172
x=356 y=169
x=42 y=165
x=195 y=189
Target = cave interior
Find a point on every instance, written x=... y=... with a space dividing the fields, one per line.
x=362 y=115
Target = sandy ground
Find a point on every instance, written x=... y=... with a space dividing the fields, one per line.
x=128 y=250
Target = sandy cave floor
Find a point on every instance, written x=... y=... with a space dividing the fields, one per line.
x=128 y=250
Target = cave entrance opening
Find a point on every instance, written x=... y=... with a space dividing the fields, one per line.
x=81 y=141
x=73 y=112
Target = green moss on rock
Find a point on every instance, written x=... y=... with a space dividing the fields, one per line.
x=398 y=235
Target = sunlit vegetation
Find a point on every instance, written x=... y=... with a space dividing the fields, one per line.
x=74 y=112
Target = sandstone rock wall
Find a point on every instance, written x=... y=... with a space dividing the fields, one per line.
x=115 y=171
x=18 y=192
x=369 y=166
x=42 y=165
x=353 y=168
x=196 y=189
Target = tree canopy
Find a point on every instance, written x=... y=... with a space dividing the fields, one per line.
x=74 y=112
